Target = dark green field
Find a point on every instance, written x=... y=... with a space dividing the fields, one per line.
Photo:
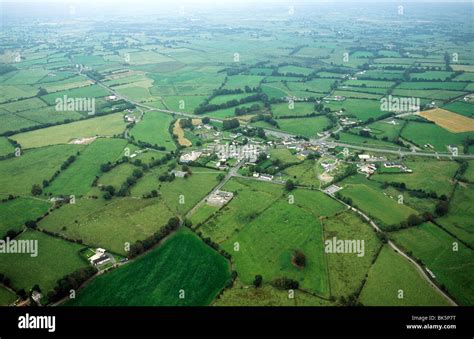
x=183 y=262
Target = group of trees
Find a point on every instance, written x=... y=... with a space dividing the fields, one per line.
x=230 y=124
x=70 y=282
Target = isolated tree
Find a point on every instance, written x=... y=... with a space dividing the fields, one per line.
x=442 y=208
x=299 y=258
x=36 y=189
x=289 y=185
x=257 y=282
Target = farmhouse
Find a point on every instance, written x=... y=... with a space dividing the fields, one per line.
x=99 y=257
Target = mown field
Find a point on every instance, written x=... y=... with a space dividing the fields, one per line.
x=182 y=262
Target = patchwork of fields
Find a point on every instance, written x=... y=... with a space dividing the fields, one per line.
x=215 y=156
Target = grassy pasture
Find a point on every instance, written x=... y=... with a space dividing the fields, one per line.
x=362 y=109
x=182 y=194
x=14 y=213
x=422 y=134
x=5 y=147
x=347 y=271
x=109 y=224
x=304 y=174
x=461 y=213
x=266 y=295
x=26 y=271
x=295 y=70
x=299 y=109
x=154 y=129
x=378 y=206
x=250 y=199
x=434 y=248
x=429 y=175
x=183 y=262
x=92 y=91
x=308 y=127
x=19 y=174
x=284 y=155
x=461 y=107
x=78 y=177
x=392 y=273
x=108 y=125
x=6 y=297
x=282 y=228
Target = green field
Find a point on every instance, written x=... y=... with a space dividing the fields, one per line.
x=78 y=177
x=154 y=129
x=434 y=248
x=392 y=273
x=6 y=297
x=426 y=133
x=362 y=109
x=299 y=109
x=183 y=262
x=267 y=296
x=26 y=271
x=347 y=271
x=250 y=199
x=108 y=125
x=182 y=194
x=461 y=213
x=19 y=174
x=384 y=209
x=428 y=175
x=109 y=224
x=16 y=212
x=305 y=174
x=282 y=229
x=307 y=127
x=284 y=155
x=5 y=147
